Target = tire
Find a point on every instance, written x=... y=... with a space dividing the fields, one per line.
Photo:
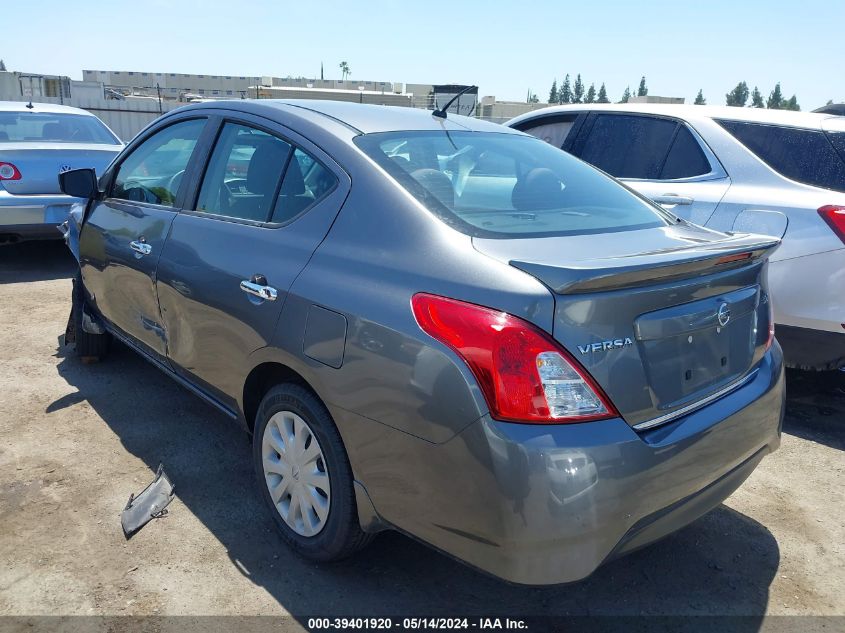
x=284 y=409
x=86 y=345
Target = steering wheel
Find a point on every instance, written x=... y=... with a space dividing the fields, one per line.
x=174 y=182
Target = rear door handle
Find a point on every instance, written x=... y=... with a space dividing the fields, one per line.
x=672 y=199
x=257 y=286
x=140 y=247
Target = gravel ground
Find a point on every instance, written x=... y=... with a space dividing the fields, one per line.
x=76 y=439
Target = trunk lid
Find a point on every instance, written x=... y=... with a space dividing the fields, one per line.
x=40 y=163
x=662 y=318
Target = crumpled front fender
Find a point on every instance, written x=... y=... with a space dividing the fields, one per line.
x=71 y=227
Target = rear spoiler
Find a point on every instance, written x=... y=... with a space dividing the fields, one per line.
x=644 y=269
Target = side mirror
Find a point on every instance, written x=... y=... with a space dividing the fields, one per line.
x=79 y=183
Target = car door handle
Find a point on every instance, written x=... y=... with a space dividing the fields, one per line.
x=672 y=199
x=142 y=248
x=258 y=289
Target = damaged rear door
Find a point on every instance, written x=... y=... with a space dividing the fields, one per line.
x=125 y=232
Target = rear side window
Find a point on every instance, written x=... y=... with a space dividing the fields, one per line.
x=306 y=181
x=253 y=175
x=498 y=185
x=807 y=156
x=243 y=174
x=685 y=159
x=628 y=146
x=838 y=141
x=153 y=171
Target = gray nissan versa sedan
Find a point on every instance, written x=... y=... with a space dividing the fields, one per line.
x=435 y=325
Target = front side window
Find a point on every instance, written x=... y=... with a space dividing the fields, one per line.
x=243 y=174
x=553 y=130
x=23 y=127
x=507 y=185
x=807 y=156
x=153 y=171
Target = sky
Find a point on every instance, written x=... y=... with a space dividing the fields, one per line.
x=505 y=48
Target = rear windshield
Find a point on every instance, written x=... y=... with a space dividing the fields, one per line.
x=803 y=155
x=507 y=185
x=38 y=127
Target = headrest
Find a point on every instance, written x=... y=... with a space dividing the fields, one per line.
x=437 y=184
x=266 y=162
x=538 y=189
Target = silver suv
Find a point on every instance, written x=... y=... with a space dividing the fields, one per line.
x=736 y=169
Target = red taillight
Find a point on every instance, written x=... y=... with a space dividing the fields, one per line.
x=834 y=215
x=525 y=376
x=9 y=172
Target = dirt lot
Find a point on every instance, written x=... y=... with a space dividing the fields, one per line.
x=76 y=439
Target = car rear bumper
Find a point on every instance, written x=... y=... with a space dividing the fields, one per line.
x=809 y=308
x=804 y=348
x=33 y=216
x=547 y=504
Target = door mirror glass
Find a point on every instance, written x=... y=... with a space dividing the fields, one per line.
x=79 y=183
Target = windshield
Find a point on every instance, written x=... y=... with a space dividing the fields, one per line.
x=38 y=127
x=507 y=185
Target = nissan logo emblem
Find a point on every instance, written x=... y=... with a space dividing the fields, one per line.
x=724 y=314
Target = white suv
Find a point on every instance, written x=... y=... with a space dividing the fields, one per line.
x=736 y=169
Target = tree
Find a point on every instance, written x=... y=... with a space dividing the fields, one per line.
x=775 y=100
x=757 y=99
x=699 y=99
x=591 y=94
x=565 y=94
x=553 y=92
x=738 y=96
x=345 y=70
x=642 y=91
x=626 y=95
x=791 y=104
x=532 y=97
x=578 y=91
x=602 y=98
x=2 y=66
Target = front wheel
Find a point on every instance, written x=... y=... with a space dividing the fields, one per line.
x=87 y=346
x=304 y=475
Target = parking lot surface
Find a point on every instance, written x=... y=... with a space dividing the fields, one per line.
x=76 y=440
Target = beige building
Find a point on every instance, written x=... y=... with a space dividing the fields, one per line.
x=362 y=95
x=501 y=111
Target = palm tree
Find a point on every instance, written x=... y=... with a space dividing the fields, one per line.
x=344 y=70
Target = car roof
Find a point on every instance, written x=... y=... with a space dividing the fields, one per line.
x=363 y=118
x=689 y=113
x=47 y=108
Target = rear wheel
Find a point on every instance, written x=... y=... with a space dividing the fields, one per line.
x=89 y=347
x=304 y=475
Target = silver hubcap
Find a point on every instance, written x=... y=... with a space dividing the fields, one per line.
x=296 y=473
